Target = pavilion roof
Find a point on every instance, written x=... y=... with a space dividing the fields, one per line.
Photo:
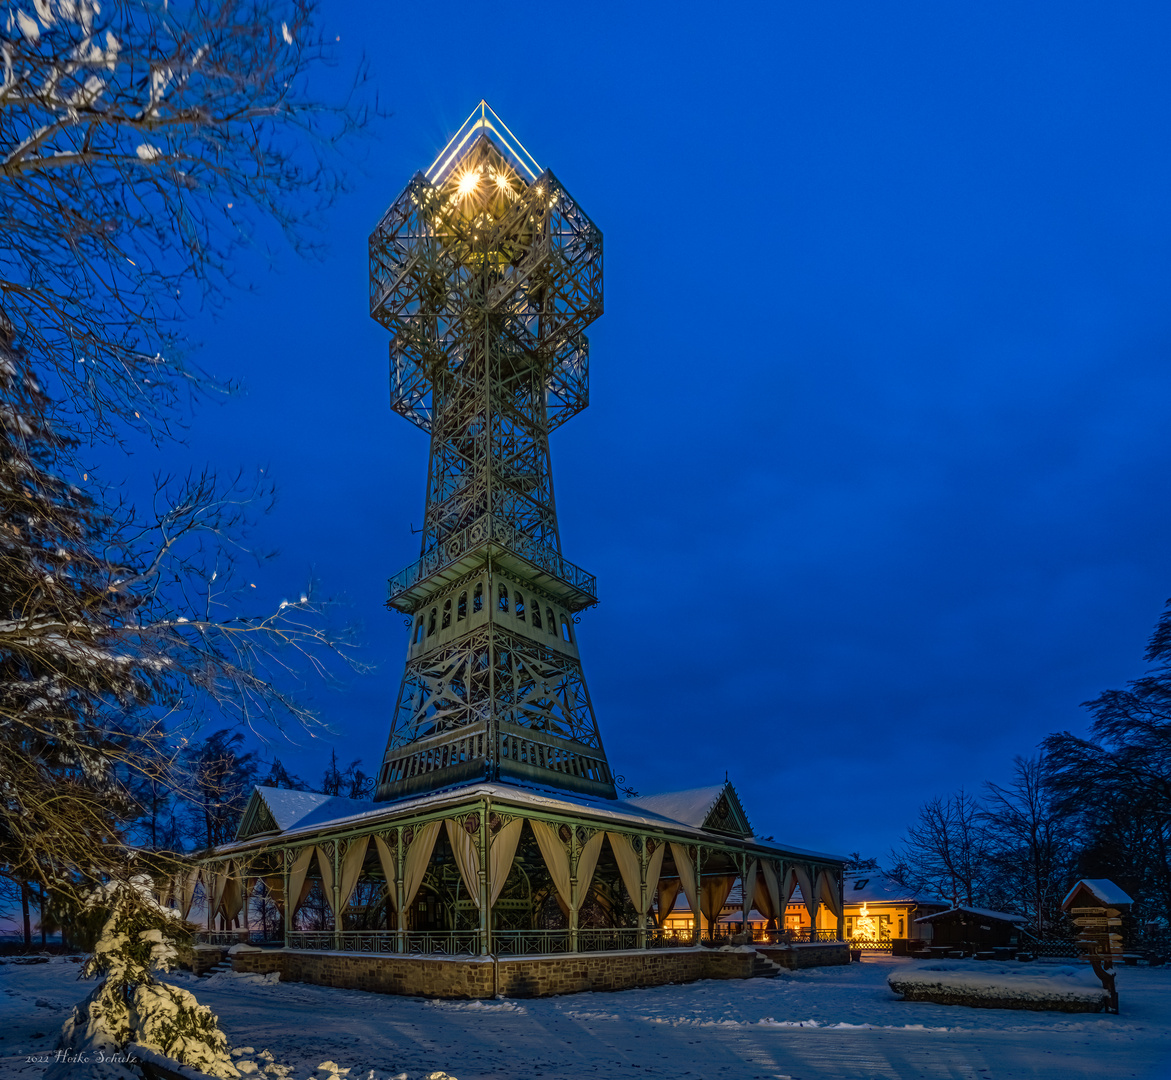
x=297 y=814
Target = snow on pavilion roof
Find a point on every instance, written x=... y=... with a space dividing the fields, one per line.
x=977 y=912
x=308 y=812
x=717 y=808
x=874 y=887
x=1102 y=889
x=279 y=810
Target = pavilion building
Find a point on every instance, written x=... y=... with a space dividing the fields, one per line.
x=496 y=832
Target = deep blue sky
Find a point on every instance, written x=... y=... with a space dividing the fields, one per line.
x=874 y=474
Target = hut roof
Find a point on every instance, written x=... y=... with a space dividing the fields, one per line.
x=1102 y=889
x=975 y=912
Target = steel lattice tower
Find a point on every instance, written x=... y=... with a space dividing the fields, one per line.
x=486 y=272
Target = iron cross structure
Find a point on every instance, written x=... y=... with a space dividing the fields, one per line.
x=486 y=272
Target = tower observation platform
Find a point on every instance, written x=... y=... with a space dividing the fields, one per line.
x=486 y=272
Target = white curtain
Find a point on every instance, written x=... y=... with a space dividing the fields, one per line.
x=686 y=869
x=298 y=886
x=219 y=883
x=351 y=868
x=827 y=890
x=628 y=865
x=768 y=891
x=387 y=859
x=587 y=863
x=500 y=855
x=501 y=851
x=275 y=884
x=668 y=892
x=325 y=869
x=630 y=869
x=654 y=867
x=807 y=893
x=556 y=859
x=713 y=894
x=185 y=889
x=417 y=859
x=467 y=857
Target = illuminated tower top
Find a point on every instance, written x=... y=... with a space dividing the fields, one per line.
x=486 y=272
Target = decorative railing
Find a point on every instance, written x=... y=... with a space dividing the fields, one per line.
x=533 y=942
x=606 y=940
x=230 y=937
x=388 y=942
x=530 y=942
x=442 y=943
x=491 y=529
x=669 y=939
x=311 y=939
x=367 y=941
x=795 y=937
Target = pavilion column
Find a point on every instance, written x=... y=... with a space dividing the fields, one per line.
x=485 y=894
x=337 y=896
x=696 y=912
x=642 y=886
x=286 y=912
x=400 y=915
x=841 y=907
x=574 y=899
x=748 y=890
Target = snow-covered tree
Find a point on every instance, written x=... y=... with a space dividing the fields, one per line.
x=138 y=937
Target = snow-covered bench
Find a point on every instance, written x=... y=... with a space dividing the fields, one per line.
x=990 y=985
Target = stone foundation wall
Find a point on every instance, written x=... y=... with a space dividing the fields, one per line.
x=205 y=957
x=485 y=978
x=582 y=972
x=822 y=954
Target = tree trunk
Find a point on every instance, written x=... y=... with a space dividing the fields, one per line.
x=28 y=930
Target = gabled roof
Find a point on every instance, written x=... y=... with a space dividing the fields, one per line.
x=975 y=912
x=308 y=814
x=874 y=887
x=1102 y=889
x=715 y=808
x=272 y=810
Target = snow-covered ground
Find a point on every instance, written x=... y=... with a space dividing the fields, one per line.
x=842 y=1023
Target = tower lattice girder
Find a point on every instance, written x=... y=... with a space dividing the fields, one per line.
x=486 y=272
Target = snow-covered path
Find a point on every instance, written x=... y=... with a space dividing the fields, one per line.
x=840 y=1023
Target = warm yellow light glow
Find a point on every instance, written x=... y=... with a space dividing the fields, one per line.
x=468 y=182
x=502 y=182
x=864 y=913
